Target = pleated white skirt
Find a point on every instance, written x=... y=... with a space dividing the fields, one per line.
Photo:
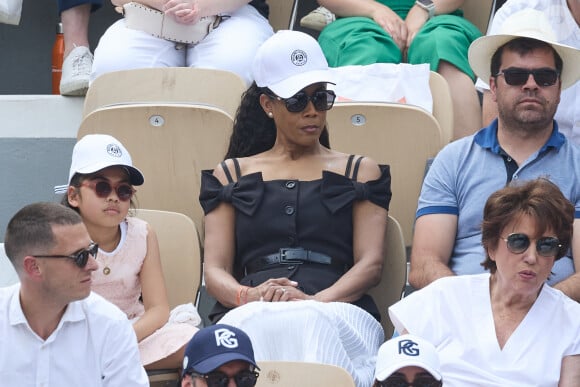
x=335 y=333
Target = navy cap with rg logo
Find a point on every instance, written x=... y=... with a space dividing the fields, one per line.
x=216 y=345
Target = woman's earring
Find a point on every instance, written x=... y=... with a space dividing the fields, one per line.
x=270 y=114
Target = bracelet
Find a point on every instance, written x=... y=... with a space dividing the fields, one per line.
x=242 y=295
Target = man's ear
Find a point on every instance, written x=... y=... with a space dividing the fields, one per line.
x=31 y=267
x=493 y=88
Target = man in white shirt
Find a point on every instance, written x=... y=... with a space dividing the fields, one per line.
x=53 y=330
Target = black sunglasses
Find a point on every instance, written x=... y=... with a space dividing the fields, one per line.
x=81 y=257
x=515 y=76
x=546 y=247
x=103 y=189
x=321 y=99
x=400 y=381
x=245 y=378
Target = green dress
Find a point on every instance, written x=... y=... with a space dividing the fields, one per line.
x=361 y=41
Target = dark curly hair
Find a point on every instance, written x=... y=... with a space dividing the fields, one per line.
x=254 y=132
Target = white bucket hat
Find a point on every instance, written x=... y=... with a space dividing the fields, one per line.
x=528 y=23
x=406 y=351
x=288 y=62
x=94 y=152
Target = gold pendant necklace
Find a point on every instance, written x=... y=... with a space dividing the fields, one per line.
x=106 y=268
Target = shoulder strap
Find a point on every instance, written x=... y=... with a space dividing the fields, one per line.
x=227 y=171
x=356 y=166
x=237 y=167
x=348 y=166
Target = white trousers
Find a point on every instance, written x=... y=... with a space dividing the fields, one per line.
x=231 y=46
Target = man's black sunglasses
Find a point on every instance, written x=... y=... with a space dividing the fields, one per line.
x=321 y=99
x=81 y=257
x=515 y=76
x=245 y=378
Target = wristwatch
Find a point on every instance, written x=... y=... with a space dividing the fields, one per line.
x=428 y=6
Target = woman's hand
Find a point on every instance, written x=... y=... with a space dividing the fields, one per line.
x=274 y=290
x=392 y=23
x=415 y=20
x=190 y=11
x=184 y=11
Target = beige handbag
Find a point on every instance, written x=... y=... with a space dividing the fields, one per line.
x=154 y=22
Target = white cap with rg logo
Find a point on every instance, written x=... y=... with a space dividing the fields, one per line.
x=405 y=351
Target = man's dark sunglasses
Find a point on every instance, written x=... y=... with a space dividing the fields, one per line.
x=321 y=99
x=543 y=77
x=517 y=243
x=400 y=381
x=81 y=257
x=245 y=378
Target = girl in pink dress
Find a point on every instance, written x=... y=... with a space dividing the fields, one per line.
x=100 y=188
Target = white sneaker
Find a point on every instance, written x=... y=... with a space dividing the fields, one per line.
x=318 y=19
x=76 y=70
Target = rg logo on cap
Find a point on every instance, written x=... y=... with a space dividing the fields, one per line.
x=409 y=348
x=299 y=57
x=114 y=150
x=225 y=337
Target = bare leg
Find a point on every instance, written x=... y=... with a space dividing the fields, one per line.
x=76 y=68
x=75 y=24
x=466 y=107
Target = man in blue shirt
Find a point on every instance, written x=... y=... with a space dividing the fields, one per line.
x=526 y=71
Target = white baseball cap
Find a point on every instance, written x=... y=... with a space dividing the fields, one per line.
x=528 y=23
x=288 y=62
x=405 y=351
x=94 y=152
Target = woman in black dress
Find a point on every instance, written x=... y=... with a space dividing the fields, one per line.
x=289 y=219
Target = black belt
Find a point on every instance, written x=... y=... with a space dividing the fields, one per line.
x=293 y=256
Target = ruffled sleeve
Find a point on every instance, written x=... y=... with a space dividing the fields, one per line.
x=339 y=191
x=245 y=194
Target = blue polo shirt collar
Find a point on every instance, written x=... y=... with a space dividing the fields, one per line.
x=487 y=138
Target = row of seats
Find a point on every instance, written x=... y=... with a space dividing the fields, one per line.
x=190 y=128
x=172 y=139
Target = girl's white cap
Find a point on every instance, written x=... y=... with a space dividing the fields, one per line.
x=94 y=152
